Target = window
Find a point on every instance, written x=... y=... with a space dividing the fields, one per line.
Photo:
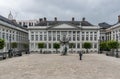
x=0 y=34
x=91 y=32
x=78 y=38
x=29 y=24
x=32 y=37
x=91 y=37
x=87 y=37
x=54 y=38
x=74 y=45
x=82 y=37
x=78 y=32
x=7 y=36
x=58 y=37
x=36 y=38
x=3 y=35
x=74 y=32
x=41 y=38
x=103 y=38
x=45 y=37
x=69 y=32
x=78 y=45
x=58 y=33
x=17 y=38
x=95 y=45
x=74 y=38
x=95 y=37
x=82 y=45
x=20 y=23
x=32 y=45
x=36 y=45
x=69 y=38
x=13 y=38
x=23 y=23
x=45 y=45
x=49 y=38
x=45 y=33
x=49 y=45
x=95 y=32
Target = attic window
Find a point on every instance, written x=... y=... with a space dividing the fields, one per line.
x=20 y=23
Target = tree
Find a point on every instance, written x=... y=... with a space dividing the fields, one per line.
x=25 y=45
x=2 y=43
x=41 y=45
x=71 y=45
x=113 y=45
x=56 y=46
x=104 y=46
x=14 y=44
x=87 y=45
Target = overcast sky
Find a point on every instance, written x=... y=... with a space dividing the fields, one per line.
x=95 y=11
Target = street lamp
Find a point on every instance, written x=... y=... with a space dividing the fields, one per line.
x=116 y=44
x=10 y=50
x=10 y=41
x=99 y=45
x=28 y=46
x=117 y=41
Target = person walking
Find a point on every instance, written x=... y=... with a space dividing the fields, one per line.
x=80 y=55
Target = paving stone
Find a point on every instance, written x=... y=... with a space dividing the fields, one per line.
x=55 y=66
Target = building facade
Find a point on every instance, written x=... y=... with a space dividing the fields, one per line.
x=50 y=32
x=10 y=31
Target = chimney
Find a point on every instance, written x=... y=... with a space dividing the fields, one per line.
x=119 y=18
x=40 y=20
x=83 y=19
x=14 y=21
x=73 y=19
x=55 y=18
x=45 y=19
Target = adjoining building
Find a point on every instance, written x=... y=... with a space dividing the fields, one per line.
x=110 y=32
x=50 y=32
x=27 y=23
x=10 y=31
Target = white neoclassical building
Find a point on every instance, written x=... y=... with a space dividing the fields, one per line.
x=50 y=32
x=10 y=31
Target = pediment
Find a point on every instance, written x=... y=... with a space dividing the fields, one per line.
x=63 y=26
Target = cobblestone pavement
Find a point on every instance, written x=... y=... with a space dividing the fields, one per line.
x=54 y=66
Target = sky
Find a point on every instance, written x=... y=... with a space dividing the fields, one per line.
x=95 y=11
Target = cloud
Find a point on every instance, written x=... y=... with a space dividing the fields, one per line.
x=95 y=11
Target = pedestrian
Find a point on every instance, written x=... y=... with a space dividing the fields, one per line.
x=80 y=55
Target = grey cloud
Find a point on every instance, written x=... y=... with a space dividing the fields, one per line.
x=95 y=11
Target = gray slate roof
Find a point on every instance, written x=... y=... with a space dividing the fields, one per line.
x=10 y=22
x=73 y=23
x=104 y=25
